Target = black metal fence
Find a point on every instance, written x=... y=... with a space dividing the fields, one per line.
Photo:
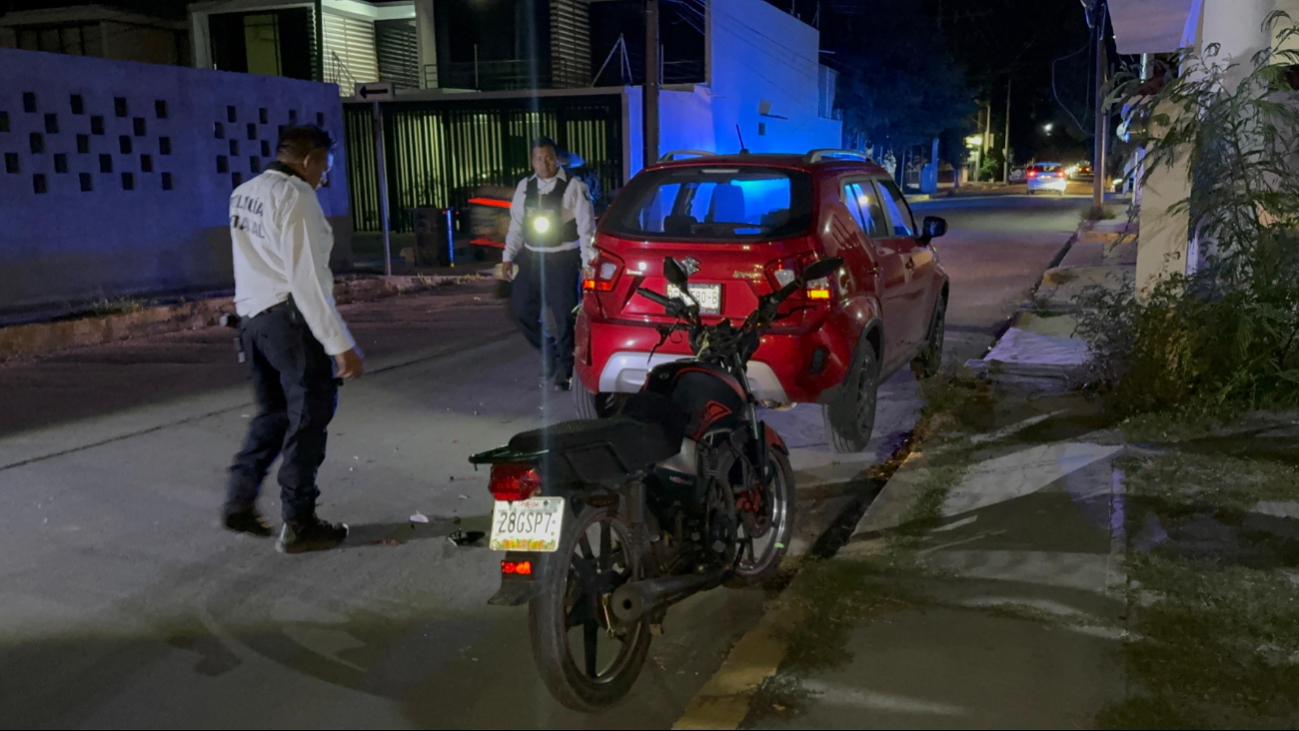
x=438 y=153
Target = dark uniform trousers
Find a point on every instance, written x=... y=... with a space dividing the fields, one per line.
x=549 y=284
x=296 y=392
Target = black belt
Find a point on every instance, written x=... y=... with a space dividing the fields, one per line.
x=286 y=307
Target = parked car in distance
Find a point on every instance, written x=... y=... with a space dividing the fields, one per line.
x=1047 y=176
x=1081 y=171
x=745 y=225
x=1018 y=174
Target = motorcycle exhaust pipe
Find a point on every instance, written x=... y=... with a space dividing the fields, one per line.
x=634 y=600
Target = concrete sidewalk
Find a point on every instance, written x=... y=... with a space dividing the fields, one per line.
x=1005 y=611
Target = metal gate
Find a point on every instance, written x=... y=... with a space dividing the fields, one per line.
x=439 y=152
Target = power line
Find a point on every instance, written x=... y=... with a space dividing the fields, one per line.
x=792 y=51
x=1056 y=93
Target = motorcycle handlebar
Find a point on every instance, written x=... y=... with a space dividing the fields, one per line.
x=784 y=292
x=654 y=297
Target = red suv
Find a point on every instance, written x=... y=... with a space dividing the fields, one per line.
x=743 y=225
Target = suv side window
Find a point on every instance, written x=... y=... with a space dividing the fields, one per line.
x=864 y=203
x=899 y=211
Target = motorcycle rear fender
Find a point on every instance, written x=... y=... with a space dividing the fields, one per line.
x=519 y=590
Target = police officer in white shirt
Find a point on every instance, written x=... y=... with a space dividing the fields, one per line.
x=551 y=238
x=292 y=336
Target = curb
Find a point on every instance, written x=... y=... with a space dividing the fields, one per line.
x=724 y=701
x=44 y=338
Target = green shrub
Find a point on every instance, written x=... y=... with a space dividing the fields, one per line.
x=1224 y=337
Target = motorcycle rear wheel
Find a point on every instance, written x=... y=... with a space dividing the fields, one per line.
x=573 y=602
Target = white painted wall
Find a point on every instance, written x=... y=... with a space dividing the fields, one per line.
x=1237 y=27
x=762 y=54
x=763 y=65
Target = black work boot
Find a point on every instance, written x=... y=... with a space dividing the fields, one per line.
x=245 y=520
x=563 y=379
x=312 y=534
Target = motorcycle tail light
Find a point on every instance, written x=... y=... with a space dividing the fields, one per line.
x=514 y=482
x=517 y=568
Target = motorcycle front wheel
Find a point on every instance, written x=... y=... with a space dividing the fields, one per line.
x=766 y=523
x=587 y=659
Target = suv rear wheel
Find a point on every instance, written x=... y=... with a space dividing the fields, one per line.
x=850 y=419
x=593 y=405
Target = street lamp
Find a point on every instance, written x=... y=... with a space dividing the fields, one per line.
x=1048 y=127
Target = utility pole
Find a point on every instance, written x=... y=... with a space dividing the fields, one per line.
x=652 y=82
x=1006 y=150
x=1102 y=130
x=380 y=158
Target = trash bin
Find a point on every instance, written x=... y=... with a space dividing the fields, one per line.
x=434 y=238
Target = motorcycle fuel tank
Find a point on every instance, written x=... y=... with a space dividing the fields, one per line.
x=711 y=397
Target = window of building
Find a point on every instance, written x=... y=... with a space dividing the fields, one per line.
x=79 y=39
x=272 y=42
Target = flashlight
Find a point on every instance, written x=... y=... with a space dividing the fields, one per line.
x=541 y=224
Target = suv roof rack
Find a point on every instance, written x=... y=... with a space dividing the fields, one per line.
x=675 y=154
x=818 y=155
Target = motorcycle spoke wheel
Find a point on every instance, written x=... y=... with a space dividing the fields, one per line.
x=585 y=663
x=596 y=568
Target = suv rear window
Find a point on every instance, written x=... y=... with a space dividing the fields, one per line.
x=714 y=204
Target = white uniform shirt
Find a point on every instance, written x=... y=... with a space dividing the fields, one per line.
x=281 y=247
x=577 y=207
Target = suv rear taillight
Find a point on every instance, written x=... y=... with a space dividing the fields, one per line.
x=514 y=482
x=607 y=268
x=818 y=289
x=781 y=275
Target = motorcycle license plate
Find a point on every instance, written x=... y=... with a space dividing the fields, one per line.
x=528 y=525
x=709 y=296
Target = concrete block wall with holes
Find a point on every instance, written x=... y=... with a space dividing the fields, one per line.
x=117 y=175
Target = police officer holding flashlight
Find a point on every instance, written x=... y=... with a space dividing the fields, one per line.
x=551 y=239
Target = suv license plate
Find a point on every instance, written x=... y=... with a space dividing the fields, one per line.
x=709 y=296
x=528 y=525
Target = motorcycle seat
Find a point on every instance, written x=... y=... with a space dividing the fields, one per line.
x=647 y=431
x=636 y=444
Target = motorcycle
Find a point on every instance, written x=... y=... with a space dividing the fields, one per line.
x=607 y=523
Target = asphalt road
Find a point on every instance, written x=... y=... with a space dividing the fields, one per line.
x=123 y=605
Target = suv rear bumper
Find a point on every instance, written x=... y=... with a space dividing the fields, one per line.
x=1048 y=184
x=625 y=372
x=788 y=367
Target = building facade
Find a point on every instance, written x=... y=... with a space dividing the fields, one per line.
x=117 y=175
x=751 y=72
x=1237 y=27
x=100 y=31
